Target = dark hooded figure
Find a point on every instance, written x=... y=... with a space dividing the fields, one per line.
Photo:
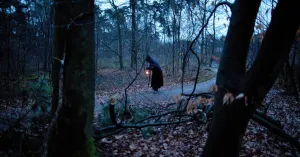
x=157 y=75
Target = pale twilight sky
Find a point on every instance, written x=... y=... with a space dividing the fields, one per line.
x=221 y=22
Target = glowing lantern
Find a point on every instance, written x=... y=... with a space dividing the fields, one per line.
x=147 y=72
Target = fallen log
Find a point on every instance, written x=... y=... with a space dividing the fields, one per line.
x=269 y=119
x=206 y=95
x=276 y=130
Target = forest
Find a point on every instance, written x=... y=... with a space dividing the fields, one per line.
x=149 y=78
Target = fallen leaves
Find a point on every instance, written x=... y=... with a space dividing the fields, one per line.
x=189 y=139
x=180 y=141
x=201 y=100
x=213 y=88
x=211 y=101
x=228 y=98
x=192 y=107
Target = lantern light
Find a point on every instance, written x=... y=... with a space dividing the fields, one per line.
x=147 y=72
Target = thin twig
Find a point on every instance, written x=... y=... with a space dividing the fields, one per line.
x=126 y=97
x=138 y=125
x=50 y=130
x=160 y=115
x=197 y=37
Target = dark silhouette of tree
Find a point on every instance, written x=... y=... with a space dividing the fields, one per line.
x=134 y=50
x=230 y=121
x=72 y=134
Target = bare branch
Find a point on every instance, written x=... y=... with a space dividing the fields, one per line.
x=197 y=37
x=126 y=97
x=138 y=126
x=50 y=130
x=208 y=95
x=160 y=115
x=110 y=48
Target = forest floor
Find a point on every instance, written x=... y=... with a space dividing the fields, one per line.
x=188 y=139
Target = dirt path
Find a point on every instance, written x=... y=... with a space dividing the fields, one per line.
x=165 y=94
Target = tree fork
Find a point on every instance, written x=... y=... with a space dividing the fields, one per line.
x=230 y=122
x=226 y=124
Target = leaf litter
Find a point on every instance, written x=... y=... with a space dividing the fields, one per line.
x=189 y=139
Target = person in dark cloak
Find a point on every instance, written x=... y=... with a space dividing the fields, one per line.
x=157 y=75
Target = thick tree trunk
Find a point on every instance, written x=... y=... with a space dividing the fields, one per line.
x=230 y=122
x=227 y=127
x=72 y=135
x=274 y=49
x=4 y=35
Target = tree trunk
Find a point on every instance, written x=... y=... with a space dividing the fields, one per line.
x=230 y=122
x=227 y=127
x=173 y=42
x=292 y=83
x=146 y=28
x=214 y=39
x=120 y=42
x=60 y=18
x=120 y=49
x=179 y=49
x=72 y=135
x=133 y=35
x=3 y=38
x=8 y=51
x=203 y=50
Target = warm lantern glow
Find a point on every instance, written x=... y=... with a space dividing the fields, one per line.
x=147 y=72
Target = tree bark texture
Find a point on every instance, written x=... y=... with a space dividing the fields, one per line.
x=73 y=133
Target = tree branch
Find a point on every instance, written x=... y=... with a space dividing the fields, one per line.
x=110 y=48
x=276 y=130
x=160 y=115
x=197 y=37
x=207 y=95
x=138 y=125
x=126 y=98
